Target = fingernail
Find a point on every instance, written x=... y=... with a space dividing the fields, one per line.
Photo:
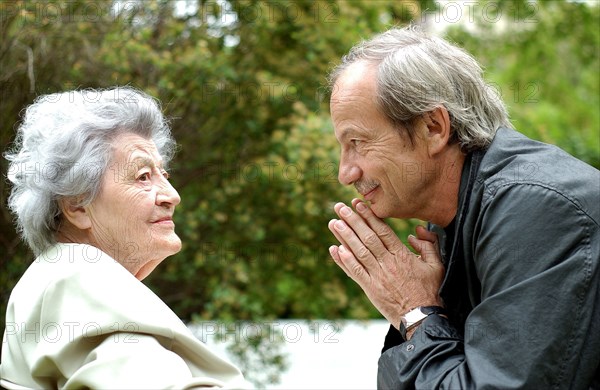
x=340 y=225
x=345 y=211
x=411 y=236
x=332 y=249
x=361 y=207
x=342 y=249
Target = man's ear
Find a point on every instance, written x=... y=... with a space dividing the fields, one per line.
x=438 y=126
x=76 y=215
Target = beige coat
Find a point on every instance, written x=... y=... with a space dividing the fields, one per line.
x=78 y=319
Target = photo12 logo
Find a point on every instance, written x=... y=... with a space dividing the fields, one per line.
x=287 y=331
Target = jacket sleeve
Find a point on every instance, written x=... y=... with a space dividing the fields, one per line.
x=134 y=361
x=536 y=254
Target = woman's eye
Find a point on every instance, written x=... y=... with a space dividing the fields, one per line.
x=144 y=177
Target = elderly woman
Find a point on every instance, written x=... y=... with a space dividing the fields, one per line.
x=92 y=199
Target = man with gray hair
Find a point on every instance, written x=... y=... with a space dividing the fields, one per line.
x=504 y=290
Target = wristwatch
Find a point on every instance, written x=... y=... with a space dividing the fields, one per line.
x=415 y=316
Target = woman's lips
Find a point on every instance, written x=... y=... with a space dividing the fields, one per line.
x=164 y=221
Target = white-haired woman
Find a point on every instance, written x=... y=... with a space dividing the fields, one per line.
x=92 y=199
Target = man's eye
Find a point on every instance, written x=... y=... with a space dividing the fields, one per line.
x=356 y=142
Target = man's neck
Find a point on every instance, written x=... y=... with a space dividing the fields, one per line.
x=444 y=205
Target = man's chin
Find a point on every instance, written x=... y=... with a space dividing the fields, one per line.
x=379 y=211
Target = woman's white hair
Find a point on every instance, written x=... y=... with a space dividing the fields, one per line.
x=63 y=147
x=417 y=73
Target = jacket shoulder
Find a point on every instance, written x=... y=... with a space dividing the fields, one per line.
x=513 y=160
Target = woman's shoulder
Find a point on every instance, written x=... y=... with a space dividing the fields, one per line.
x=79 y=282
x=62 y=263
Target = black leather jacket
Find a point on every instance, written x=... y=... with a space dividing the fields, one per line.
x=522 y=279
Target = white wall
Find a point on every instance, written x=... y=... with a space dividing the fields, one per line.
x=325 y=358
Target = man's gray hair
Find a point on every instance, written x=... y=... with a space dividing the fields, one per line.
x=417 y=73
x=63 y=148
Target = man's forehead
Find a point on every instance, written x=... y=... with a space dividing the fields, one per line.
x=356 y=80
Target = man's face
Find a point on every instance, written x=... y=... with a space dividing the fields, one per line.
x=390 y=172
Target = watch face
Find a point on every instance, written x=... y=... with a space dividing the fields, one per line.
x=415 y=316
x=412 y=317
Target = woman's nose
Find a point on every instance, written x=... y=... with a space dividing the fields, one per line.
x=167 y=194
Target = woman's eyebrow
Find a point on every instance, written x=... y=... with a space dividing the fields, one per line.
x=142 y=161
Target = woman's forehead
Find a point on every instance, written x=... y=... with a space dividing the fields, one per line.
x=134 y=148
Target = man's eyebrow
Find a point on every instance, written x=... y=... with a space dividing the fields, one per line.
x=346 y=132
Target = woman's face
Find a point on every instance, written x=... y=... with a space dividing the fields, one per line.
x=131 y=218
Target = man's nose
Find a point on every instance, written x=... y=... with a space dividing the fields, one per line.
x=349 y=172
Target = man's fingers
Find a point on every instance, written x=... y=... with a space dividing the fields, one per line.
x=335 y=255
x=334 y=231
x=364 y=243
x=427 y=249
x=347 y=262
x=385 y=233
x=334 y=249
x=352 y=254
x=424 y=234
x=359 y=246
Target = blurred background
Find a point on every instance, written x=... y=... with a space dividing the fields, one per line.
x=244 y=83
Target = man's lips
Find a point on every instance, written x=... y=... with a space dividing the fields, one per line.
x=368 y=195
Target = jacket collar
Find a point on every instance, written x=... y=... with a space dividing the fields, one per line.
x=467 y=180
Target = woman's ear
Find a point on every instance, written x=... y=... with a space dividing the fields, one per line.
x=438 y=125
x=75 y=214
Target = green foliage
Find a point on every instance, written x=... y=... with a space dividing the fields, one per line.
x=544 y=62
x=244 y=84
